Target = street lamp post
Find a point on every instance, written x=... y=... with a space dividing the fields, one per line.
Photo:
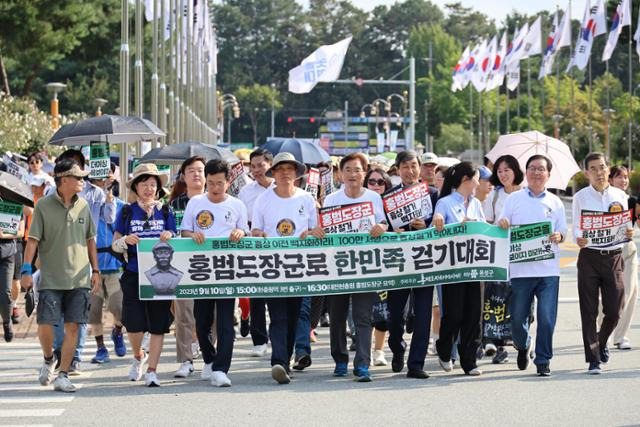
x=100 y=102
x=55 y=88
x=387 y=106
x=228 y=101
x=556 y=130
x=608 y=112
x=273 y=110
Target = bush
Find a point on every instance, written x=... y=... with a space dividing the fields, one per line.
x=634 y=182
x=581 y=181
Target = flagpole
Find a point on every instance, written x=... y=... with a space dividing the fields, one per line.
x=590 y=110
x=480 y=124
x=124 y=92
x=498 y=111
x=529 y=92
x=573 y=117
x=138 y=83
x=518 y=106
x=154 y=72
x=508 y=127
x=630 y=165
x=163 y=77
x=471 y=116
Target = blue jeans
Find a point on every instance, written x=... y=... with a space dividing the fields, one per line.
x=303 y=341
x=58 y=332
x=545 y=289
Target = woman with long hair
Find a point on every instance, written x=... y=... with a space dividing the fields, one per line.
x=506 y=178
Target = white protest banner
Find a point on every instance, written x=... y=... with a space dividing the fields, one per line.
x=312 y=185
x=406 y=204
x=15 y=169
x=351 y=218
x=99 y=162
x=605 y=229
x=10 y=215
x=337 y=264
x=326 y=182
x=381 y=140
x=530 y=242
x=237 y=179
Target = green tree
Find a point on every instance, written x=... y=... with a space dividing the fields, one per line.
x=253 y=100
x=454 y=138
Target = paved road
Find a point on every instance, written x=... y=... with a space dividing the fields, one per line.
x=503 y=395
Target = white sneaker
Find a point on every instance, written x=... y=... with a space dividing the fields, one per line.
x=446 y=366
x=151 y=379
x=195 y=350
x=475 y=372
x=46 y=372
x=137 y=367
x=259 y=350
x=625 y=344
x=206 y=372
x=220 y=379
x=279 y=373
x=145 y=342
x=378 y=358
x=185 y=369
x=62 y=383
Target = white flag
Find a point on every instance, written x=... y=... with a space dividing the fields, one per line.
x=621 y=18
x=483 y=66
x=458 y=71
x=593 y=25
x=515 y=49
x=323 y=65
x=636 y=36
x=549 y=52
x=533 y=41
x=148 y=9
x=563 y=38
x=498 y=68
x=513 y=76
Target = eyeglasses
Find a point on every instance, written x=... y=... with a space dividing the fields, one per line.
x=534 y=169
x=378 y=182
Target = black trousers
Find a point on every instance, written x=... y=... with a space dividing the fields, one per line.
x=203 y=311
x=258 y=322
x=283 y=313
x=462 y=314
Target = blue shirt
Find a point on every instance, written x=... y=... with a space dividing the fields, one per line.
x=139 y=224
x=454 y=211
x=106 y=260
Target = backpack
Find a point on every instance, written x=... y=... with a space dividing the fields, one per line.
x=126 y=217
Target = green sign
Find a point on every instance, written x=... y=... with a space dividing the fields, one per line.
x=99 y=161
x=337 y=264
x=10 y=216
x=530 y=242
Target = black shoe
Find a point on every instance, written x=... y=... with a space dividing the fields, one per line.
x=502 y=356
x=15 y=316
x=409 y=325
x=543 y=370
x=244 y=327
x=604 y=354
x=324 y=320
x=352 y=346
x=8 y=332
x=523 y=359
x=397 y=363
x=302 y=362
x=417 y=374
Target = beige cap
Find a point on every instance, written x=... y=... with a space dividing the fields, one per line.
x=285 y=157
x=147 y=169
x=75 y=171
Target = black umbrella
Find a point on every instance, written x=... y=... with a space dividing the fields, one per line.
x=175 y=154
x=304 y=151
x=109 y=128
x=14 y=190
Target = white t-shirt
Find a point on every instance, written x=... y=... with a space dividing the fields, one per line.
x=250 y=193
x=491 y=209
x=341 y=198
x=214 y=219
x=284 y=217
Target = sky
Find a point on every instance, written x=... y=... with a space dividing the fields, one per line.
x=495 y=9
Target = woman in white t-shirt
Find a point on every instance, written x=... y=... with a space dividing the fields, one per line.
x=284 y=211
x=506 y=178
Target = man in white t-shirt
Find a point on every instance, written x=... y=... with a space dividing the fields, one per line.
x=353 y=168
x=215 y=214
x=284 y=211
x=260 y=162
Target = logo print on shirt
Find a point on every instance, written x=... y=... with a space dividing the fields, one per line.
x=301 y=210
x=228 y=216
x=204 y=219
x=615 y=207
x=286 y=227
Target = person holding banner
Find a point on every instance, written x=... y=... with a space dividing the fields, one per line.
x=8 y=251
x=461 y=302
x=418 y=217
x=260 y=161
x=600 y=230
x=352 y=196
x=145 y=218
x=535 y=275
x=190 y=183
x=215 y=214
x=284 y=211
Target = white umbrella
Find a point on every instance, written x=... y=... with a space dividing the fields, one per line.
x=448 y=161
x=526 y=144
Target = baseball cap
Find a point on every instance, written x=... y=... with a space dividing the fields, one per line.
x=429 y=158
x=485 y=172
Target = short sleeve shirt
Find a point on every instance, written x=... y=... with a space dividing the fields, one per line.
x=214 y=219
x=284 y=217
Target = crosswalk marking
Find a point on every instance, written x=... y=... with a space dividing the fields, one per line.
x=14 y=413
x=36 y=399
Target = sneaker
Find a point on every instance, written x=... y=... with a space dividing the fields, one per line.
x=431 y=348
x=479 y=353
x=75 y=369
x=151 y=379
x=397 y=362
x=135 y=373
x=490 y=349
x=475 y=372
x=145 y=342
x=220 y=379
x=46 y=372
x=15 y=316
x=244 y=327
x=302 y=362
x=594 y=368
x=378 y=358
x=523 y=359
x=417 y=374
x=625 y=344
x=352 y=346
x=185 y=369
x=312 y=336
x=324 y=320
x=543 y=370
x=102 y=356
x=118 y=343
x=446 y=366
x=279 y=373
x=8 y=331
x=604 y=355
x=340 y=370
x=195 y=350
x=62 y=383
x=502 y=356
x=363 y=375
x=259 y=350
x=207 y=372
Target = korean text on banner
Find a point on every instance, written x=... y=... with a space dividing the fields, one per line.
x=99 y=162
x=351 y=218
x=604 y=229
x=10 y=215
x=406 y=204
x=530 y=242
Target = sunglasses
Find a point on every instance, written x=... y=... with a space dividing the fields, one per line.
x=378 y=182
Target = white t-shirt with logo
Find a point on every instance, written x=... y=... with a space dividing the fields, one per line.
x=340 y=198
x=214 y=219
x=284 y=217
